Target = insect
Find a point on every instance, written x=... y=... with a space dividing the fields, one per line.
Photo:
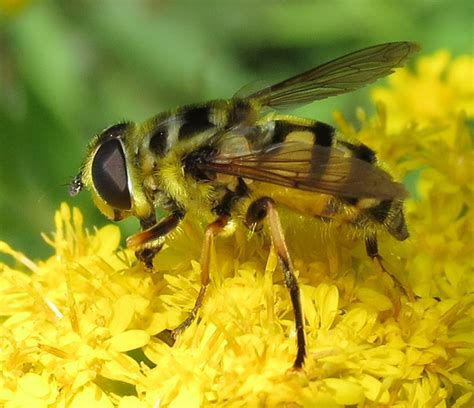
x=228 y=163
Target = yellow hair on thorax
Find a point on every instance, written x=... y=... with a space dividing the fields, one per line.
x=188 y=192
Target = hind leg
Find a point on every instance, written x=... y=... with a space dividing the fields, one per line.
x=257 y=211
x=371 y=246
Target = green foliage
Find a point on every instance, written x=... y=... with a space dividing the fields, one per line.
x=69 y=69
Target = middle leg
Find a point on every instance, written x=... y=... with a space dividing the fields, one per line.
x=169 y=336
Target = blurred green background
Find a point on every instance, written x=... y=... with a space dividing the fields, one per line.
x=70 y=68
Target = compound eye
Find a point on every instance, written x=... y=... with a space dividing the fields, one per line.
x=109 y=175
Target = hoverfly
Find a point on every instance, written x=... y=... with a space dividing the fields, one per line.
x=228 y=163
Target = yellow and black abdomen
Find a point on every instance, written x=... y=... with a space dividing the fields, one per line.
x=366 y=213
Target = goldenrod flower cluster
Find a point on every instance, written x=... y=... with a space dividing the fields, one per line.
x=78 y=329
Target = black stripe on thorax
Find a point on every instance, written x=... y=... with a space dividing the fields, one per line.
x=194 y=121
x=239 y=112
x=159 y=140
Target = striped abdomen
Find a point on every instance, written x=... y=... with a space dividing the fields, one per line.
x=360 y=211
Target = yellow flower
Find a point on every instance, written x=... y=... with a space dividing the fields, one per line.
x=79 y=328
x=438 y=91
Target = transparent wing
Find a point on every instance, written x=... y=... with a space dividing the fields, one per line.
x=341 y=75
x=309 y=167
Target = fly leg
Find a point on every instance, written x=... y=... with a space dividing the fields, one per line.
x=149 y=242
x=372 y=250
x=169 y=336
x=257 y=211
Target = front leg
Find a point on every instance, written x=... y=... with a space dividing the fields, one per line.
x=149 y=242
